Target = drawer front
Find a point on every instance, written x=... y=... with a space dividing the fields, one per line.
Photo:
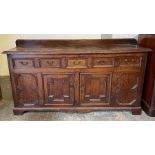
x=23 y=63
x=77 y=63
x=128 y=61
x=103 y=62
x=50 y=63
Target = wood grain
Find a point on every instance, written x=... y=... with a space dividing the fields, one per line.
x=77 y=75
x=148 y=104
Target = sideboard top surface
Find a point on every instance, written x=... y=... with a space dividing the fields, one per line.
x=76 y=46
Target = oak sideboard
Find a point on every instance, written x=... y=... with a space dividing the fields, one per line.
x=77 y=75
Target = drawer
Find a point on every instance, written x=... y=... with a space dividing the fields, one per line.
x=77 y=63
x=23 y=63
x=103 y=62
x=50 y=63
x=128 y=61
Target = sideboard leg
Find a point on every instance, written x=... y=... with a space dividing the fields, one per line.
x=136 y=112
x=18 y=112
x=0 y=93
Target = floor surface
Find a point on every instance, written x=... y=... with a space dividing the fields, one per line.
x=6 y=114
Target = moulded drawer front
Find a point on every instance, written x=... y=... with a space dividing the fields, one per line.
x=128 y=61
x=50 y=63
x=103 y=62
x=77 y=63
x=23 y=63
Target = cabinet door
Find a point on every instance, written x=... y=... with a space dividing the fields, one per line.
x=26 y=89
x=59 y=89
x=126 y=89
x=95 y=89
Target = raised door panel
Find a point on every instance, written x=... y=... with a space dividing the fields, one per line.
x=126 y=89
x=26 y=88
x=95 y=89
x=59 y=89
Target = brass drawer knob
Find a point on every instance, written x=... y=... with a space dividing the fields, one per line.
x=101 y=61
x=126 y=60
x=77 y=62
x=24 y=63
x=50 y=62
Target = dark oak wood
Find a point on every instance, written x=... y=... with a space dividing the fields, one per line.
x=0 y=93
x=20 y=111
x=148 y=102
x=72 y=43
x=59 y=47
x=77 y=75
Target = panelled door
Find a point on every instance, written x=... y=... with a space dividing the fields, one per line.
x=26 y=91
x=59 y=89
x=126 y=89
x=95 y=89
